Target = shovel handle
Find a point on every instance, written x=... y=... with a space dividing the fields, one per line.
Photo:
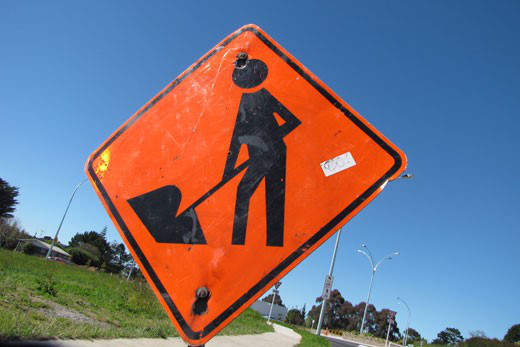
x=219 y=185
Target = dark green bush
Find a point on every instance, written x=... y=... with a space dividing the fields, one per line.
x=28 y=248
x=513 y=334
x=46 y=285
x=81 y=256
x=295 y=317
x=486 y=342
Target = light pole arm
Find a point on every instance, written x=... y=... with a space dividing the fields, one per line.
x=385 y=258
x=369 y=259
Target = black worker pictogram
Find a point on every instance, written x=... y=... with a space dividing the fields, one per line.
x=255 y=127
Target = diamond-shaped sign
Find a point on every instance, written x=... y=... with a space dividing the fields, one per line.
x=232 y=175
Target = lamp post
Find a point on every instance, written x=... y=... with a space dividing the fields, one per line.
x=63 y=218
x=399 y=300
x=374 y=269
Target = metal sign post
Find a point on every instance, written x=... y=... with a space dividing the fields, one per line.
x=328 y=281
x=275 y=292
x=390 y=322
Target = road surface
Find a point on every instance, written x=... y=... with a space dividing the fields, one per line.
x=339 y=342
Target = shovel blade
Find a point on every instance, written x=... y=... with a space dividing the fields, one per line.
x=158 y=209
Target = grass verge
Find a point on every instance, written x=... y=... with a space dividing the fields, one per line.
x=42 y=299
x=308 y=339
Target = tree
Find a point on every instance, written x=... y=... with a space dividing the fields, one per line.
x=479 y=341
x=294 y=316
x=477 y=333
x=339 y=313
x=119 y=258
x=94 y=244
x=413 y=336
x=92 y=248
x=8 y=200
x=449 y=336
x=513 y=334
x=357 y=317
x=331 y=315
x=277 y=299
x=119 y=254
x=11 y=232
x=313 y=315
x=379 y=327
x=83 y=255
x=103 y=232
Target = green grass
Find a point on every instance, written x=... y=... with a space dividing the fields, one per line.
x=249 y=322
x=92 y=304
x=308 y=339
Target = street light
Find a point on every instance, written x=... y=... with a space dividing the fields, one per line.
x=63 y=218
x=399 y=300
x=374 y=269
x=406 y=176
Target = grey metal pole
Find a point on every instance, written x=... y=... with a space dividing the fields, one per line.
x=331 y=269
x=388 y=333
x=374 y=269
x=131 y=270
x=271 y=309
x=63 y=218
x=408 y=323
x=368 y=300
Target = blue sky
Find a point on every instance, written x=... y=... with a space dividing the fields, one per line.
x=441 y=79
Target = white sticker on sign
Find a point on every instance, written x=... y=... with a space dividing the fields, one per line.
x=340 y=163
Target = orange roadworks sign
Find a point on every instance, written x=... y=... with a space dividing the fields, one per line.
x=232 y=175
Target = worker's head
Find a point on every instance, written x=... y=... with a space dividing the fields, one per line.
x=249 y=73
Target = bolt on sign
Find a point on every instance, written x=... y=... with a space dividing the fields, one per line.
x=232 y=175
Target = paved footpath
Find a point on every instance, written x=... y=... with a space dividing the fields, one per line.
x=282 y=337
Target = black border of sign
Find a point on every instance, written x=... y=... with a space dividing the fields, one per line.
x=296 y=254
